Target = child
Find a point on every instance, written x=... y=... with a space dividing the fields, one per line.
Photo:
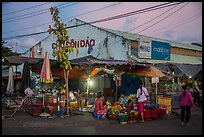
x=123 y=100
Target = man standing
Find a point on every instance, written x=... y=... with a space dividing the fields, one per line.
x=196 y=93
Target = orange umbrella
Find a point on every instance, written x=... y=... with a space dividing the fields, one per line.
x=46 y=75
x=148 y=72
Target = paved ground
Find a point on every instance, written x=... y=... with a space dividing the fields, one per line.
x=24 y=124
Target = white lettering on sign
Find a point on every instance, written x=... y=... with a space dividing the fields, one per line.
x=161 y=50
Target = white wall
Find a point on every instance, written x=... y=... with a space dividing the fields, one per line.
x=114 y=50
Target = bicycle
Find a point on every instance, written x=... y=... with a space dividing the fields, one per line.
x=11 y=105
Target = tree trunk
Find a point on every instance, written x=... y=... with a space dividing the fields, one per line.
x=66 y=75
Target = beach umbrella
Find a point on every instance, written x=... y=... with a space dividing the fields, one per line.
x=25 y=82
x=148 y=72
x=46 y=75
x=10 y=86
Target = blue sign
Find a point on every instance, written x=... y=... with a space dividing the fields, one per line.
x=160 y=50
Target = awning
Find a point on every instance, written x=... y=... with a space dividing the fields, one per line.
x=179 y=69
x=189 y=70
x=18 y=60
x=147 y=72
x=174 y=58
x=73 y=74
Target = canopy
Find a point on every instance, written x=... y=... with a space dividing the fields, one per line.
x=190 y=70
x=179 y=69
x=148 y=72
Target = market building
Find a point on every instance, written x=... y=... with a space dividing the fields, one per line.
x=110 y=45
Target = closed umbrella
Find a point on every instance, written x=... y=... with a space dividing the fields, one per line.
x=25 y=82
x=10 y=86
x=46 y=76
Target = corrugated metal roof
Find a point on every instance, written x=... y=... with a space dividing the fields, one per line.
x=136 y=37
x=174 y=59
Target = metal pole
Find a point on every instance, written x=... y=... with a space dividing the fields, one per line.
x=156 y=93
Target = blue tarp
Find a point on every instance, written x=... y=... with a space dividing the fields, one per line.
x=129 y=85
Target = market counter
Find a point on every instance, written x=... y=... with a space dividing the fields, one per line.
x=174 y=99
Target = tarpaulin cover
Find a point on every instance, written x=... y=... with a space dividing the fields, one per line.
x=190 y=70
x=25 y=82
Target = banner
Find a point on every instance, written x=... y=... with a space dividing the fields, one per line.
x=160 y=50
x=144 y=49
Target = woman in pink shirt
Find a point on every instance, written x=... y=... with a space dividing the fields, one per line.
x=186 y=102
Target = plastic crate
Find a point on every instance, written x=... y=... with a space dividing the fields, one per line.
x=161 y=112
x=147 y=114
x=154 y=113
x=36 y=111
x=164 y=101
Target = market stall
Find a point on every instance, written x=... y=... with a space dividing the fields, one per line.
x=128 y=114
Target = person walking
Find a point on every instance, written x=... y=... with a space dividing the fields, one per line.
x=141 y=96
x=196 y=93
x=186 y=102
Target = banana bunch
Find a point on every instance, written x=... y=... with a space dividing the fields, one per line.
x=118 y=107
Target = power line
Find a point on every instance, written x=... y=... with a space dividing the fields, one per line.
x=45 y=11
x=177 y=24
x=152 y=19
x=25 y=9
x=134 y=13
x=121 y=33
x=64 y=18
x=163 y=18
x=107 y=19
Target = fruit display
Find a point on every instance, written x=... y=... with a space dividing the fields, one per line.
x=128 y=115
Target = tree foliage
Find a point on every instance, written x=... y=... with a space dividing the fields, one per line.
x=59 y=29
x=7 y=51
x=61 y=54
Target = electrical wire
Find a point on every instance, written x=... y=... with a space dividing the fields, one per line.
x=164 y=18
x=131 y=29
x=152 y=19
x=25 y=17
x=81 y=14
x=47 y=9
x=106 y=19
x=177 y=24
x=25 y=9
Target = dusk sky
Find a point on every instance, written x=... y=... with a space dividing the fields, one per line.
x=185 y=25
